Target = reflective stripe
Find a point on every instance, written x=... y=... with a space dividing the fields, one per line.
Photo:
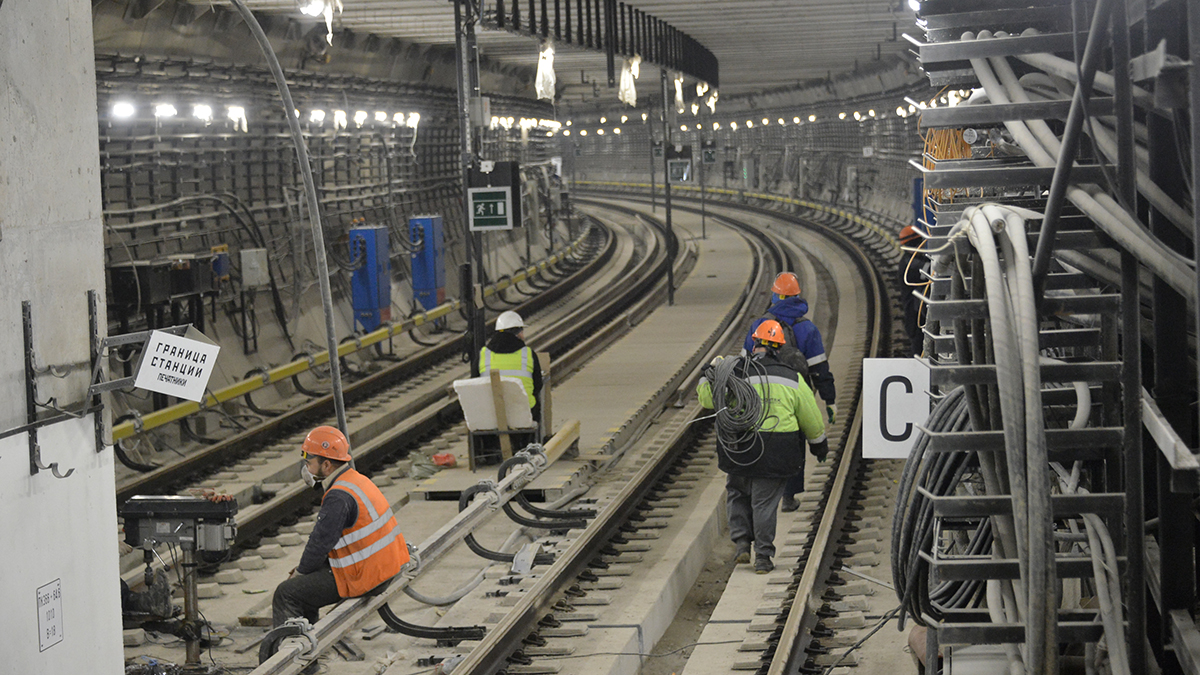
x=487 y=359
x=819 y=439
x=514 y=373
x=765 y=381
x=359 y=556
x=819 y=358
x=362 y=496
x=363 y=532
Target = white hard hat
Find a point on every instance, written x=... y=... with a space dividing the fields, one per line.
x=509 y=319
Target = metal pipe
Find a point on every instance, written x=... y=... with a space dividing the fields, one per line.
x=314 y=207
x=1131 y=376
x=1070 y=144
x=667 y=191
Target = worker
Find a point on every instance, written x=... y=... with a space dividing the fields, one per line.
x=354 y=548
x=507 y=354
x=804 y=338
x=912 y=278
x=761 y=454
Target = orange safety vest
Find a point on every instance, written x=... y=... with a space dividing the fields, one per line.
x=372 y=550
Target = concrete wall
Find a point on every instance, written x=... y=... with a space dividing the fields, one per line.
x=50 y=255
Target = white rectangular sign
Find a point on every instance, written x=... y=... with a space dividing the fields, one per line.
x=895 y=401
x=177 y=366
x=50 y=623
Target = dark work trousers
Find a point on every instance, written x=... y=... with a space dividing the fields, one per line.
x=751 y=503
x=794 y=485
x=303 y=595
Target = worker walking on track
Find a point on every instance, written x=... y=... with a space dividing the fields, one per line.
x=805 y=352
x=354 y=548
x=507 y=354
x=765 y=410
x=912 y=278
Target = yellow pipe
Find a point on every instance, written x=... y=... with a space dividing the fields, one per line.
x=287 y=370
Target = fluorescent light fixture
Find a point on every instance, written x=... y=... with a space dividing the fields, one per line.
x=644 y=116
x=795 y=120
x=569 y=121
x=203 y=112
x=857 y=115
x=316 y=117
x=360 y=116
x=766 y=121
x=313 y=8
x=414 y=118
x=701 y=88
x=123 y=109
x=733 y=125
x=781 y=123
x=841 y=116
x=398 y=119
x=165 y=110
x=566 y=132
x=695 y=109
x=380 y=116
x=603 y=120
x=749 y=124
x=716 y=126
x=617 y=130
x=583 y=132
x=600 y=132
x=871 y=112
x=624 y=119
x=812 y=118
x=544 y=83
x=914 y=5
x=339 y=119
x=683 y=127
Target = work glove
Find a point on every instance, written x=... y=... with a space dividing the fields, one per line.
x=707 y=372
x=820 y=450
x=831 y=414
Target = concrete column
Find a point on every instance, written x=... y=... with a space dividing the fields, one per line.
x=60 y=534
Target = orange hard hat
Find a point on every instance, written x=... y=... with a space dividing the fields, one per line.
x=786 y=285
x=770 y=331
x=909 y=235
x=327 y=442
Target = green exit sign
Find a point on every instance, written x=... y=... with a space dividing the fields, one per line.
x=491 y=208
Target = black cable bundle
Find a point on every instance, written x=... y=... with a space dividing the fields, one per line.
x=739 y=409
x=913 y=524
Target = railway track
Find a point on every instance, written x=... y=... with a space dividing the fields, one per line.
x=680 y=455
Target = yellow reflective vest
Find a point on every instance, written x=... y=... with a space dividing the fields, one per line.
x=518 y=364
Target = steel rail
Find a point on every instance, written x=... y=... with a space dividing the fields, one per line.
x=348 y=614
x=395 y=439
x=491 y=654
x=789 y=655
x=261 y=434
x=288 y=370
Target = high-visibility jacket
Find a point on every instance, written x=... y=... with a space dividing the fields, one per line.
x=518 y=364
x=789 y=415
x=372 y=550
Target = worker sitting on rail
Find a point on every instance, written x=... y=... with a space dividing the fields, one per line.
x=507 y=354
x=912 y=279
x=804 y=351
x=356 y=545
x=765 y=406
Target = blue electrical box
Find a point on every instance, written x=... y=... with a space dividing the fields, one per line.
x=428 y=260
x=371 y=280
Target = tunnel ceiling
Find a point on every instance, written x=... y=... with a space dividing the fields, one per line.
x=759 y=44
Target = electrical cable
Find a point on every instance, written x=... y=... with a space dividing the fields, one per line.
x=739 y=408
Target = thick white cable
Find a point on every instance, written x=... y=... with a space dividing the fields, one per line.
x=1008 y=377
x=1106 y=142
x=1130 y=235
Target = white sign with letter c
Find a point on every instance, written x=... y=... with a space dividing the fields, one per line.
x=895 y=401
